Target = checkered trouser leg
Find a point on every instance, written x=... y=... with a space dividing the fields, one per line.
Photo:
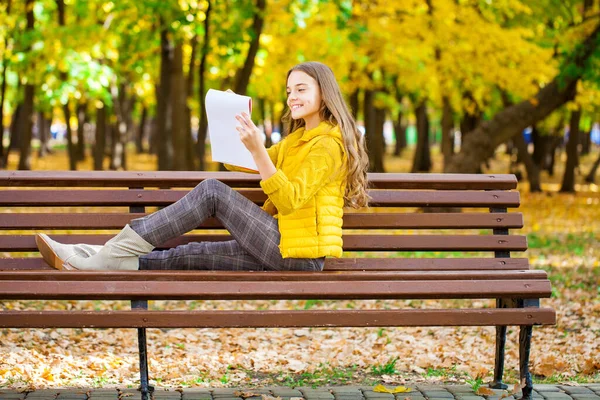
x=256 y=234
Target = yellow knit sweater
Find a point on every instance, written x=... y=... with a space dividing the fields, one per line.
x=306 y=193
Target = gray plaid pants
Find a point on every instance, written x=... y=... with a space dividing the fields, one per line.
x=256 y=234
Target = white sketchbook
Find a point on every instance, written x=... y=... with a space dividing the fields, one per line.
x=225 y=143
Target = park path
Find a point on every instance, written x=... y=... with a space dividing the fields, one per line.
x=418 y=392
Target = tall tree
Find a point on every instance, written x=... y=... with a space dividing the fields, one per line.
x=5 y=61
x=179 y=131
x=568 y=183
x=60 y=4
x=243 y=75
x=422 y=157
x=373 y=135
x=481 y=143
x=163 y=103
x=27 y=113
x=203 y=123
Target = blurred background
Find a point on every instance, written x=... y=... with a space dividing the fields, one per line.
x=436 y=85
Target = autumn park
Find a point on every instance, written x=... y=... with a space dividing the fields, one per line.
x=94 y=93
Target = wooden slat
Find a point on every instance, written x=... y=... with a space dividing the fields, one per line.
x=332 y=276
x=380 y=198
x=351 y=242
x=109 y=290
x=349 y=264
x=32 y=221
x=269 y=318
x=235 y=179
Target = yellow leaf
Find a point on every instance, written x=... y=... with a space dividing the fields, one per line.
x=483 y=391
x=47 y=375
x=398 y=389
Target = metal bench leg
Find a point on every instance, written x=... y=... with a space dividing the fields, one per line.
x=524 y=349
x=145 y=388
x=500 y=346
x=499 y=365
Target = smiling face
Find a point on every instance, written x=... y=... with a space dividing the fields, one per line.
x=304 y=98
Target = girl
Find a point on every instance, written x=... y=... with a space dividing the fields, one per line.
x=320 y=167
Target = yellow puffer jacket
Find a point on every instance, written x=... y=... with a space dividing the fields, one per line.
x=306 y=193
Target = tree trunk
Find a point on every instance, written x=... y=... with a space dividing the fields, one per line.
x=400 y=134
x=2 y=95
x=533 y=170
x=540 y=146
x=379 y=126
x=374 y=138
x=179 y=131
x=243 y=75
x=66 y=110
x=470 y=120
x=141 y=133
x=591 y=176
x=480 y=144
x=203 y=123
x=5 y=62
x=568 y=183
x=586 y=142
x=44 y=133
x=13 y=133
x=69 y=136
x=354 y=103
x=100 y=145
x=190 y=153
x=447 y=131
x=163 y=105
x=27 y=113
x=81 y=121
x=422 y=158
x=267 y=117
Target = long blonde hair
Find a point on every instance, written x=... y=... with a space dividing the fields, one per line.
x=335 y=110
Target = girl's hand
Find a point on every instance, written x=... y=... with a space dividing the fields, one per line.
x=251 y=136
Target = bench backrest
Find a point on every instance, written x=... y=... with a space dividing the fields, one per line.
x=464 y=215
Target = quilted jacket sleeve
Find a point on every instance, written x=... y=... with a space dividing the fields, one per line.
x=322 y=165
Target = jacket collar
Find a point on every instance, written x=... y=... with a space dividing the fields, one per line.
x=324 y=128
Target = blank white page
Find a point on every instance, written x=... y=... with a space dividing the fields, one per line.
x=225 y=143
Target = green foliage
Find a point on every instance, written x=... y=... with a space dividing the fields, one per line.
x=389 y=368
x=475 y=383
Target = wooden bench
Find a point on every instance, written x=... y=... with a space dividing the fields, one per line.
x=483 y=269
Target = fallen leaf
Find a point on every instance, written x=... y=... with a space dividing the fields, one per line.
x=397 y=389
x=242 y=394
x=483 y=391
x=267 y=397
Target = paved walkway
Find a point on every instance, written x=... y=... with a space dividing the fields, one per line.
x=418 y=392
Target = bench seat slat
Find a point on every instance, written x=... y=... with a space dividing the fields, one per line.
x=330 y=276
x=31 y=221
x=273 y=318
x=237 y=179
x=351 y=242
x=227 y=290
x=45 y=197
x=348 y=264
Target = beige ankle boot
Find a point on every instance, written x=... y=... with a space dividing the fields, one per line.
x=120 y=253
x=57 y=254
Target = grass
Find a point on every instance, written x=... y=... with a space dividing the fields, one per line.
x=323 y=375
x=388 y=368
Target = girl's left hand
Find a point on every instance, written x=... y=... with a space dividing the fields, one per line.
x=251 y=136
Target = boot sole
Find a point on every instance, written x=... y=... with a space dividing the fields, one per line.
x=48 y=254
